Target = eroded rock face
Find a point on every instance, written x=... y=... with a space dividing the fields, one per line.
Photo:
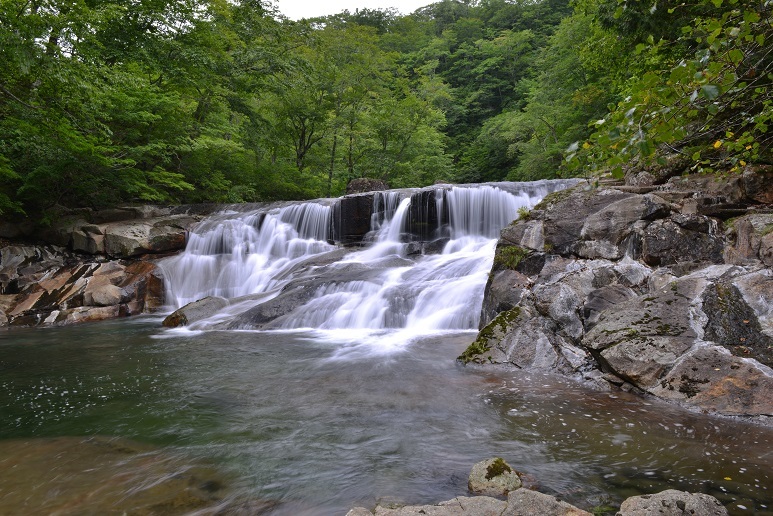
x=649 y=289
x=49 y=285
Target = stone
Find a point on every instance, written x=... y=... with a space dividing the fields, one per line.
x=142 y=236
x=504 y=290
x=525 y=502
x=748 y=239
x=566 y=212
x=672 y=503
x=472 y=506
x=351 y=218
x=682 y=238
x=364 y=185
x=602 y=299
x=493 y=477
x=639 y=340
x=758 y=184
x=108 y=295
x=733 y=324
x=711 y=378
x=195 y=311
x=528 y=234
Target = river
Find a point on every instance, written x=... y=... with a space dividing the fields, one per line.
x=352 y=397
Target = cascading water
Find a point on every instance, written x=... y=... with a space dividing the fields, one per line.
x=236 y=254
x=418 y=280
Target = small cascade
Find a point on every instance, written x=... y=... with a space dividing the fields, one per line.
x=390 y=281
x=237 y=254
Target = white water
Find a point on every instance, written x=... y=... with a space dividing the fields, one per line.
x=389 y=285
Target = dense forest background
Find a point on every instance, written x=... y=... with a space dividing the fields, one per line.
x=103 y=102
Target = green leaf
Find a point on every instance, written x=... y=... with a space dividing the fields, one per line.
x=710 y=91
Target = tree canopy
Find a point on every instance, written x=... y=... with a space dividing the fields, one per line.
x=106 y=102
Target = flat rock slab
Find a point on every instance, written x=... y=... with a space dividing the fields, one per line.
x=521 y=502
x=672 y=503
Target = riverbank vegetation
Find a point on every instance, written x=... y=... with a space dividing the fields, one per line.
x=193 y=101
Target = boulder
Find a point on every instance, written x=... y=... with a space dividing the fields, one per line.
x=750 y=238
x=525 y=502
x=351 y=218
x=682 y=238
x=712 y=379
x=195 y=311
x=493 y=477
x=672 y=503
x=142 y=236
x=364 y=185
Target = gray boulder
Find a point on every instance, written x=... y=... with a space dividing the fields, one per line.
x=682 y=238
x=493 y=477
x=672 y=503
x=525 y=502
x=195 y=311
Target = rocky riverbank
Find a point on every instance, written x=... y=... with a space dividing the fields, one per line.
x=662 y=289
x=92 y=265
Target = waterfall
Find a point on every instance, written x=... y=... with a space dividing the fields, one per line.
x=420 y=261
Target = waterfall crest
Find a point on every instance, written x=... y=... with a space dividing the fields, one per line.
x=420 y=261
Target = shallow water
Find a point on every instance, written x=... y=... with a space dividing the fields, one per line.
x=312 y=422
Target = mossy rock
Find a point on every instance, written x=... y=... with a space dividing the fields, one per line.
x=493 y=477
x=491 y=333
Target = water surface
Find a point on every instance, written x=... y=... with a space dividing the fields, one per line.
x=313 y=422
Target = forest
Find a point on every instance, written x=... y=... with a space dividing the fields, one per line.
x=184 y=101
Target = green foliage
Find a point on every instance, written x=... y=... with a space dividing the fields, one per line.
x=159 y=101
x=710 y=102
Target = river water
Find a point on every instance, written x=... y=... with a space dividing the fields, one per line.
x=353 y=397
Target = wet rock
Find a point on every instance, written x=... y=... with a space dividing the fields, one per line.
x=351 y=218
x=423 y=221
x=672 y=503
x=523 y=338
x=504 y=290
x=756 y=288
x=195 y=311
x=493 y=477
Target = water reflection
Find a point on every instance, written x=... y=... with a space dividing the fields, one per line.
x=317 y=422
